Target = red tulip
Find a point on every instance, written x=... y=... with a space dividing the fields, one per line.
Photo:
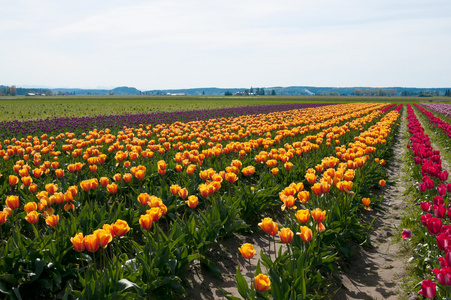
x=425 y=206
x=434 y=226
x=406 y=233
x=428 y=289
x=439 y=211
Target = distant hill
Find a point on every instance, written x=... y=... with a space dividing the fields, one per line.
x=287 y=91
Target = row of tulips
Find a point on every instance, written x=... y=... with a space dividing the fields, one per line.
x=310 y=250
x=198 y=207
x=433 y=250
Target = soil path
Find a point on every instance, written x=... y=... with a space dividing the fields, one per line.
x=375 y=273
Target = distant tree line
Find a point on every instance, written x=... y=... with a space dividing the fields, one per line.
x=252 y=92
x=448 y=93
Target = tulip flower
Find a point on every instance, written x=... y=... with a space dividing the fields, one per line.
x=286 y=235
x=382 y=182
x=425 y=206
x=78 y=242
x=12 y=202
x=428 y=289
x=192 y=202
x=104 y=181
x=303 y=215
x=146 y=221
x=306 y=234
x=13 y=180
x=32 y=217
x=91 y=243
x=175 y=188
x=128 y=177
x=52 y=220
x=262 y=283
x=143 y=198
x=247 y=250
x=183 y=193
x=30 y=206
x=120 y=228
x=155 y=212
x=318 y=215
x=3 y=217
x=406 y=233
x=303 y=196
x=112 y=188
x=267 y=224
x=104 y=237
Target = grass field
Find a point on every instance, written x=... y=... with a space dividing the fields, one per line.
x=22 y=108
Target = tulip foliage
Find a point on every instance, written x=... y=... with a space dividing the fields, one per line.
x=126 y=211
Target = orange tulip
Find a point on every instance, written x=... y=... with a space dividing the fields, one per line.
x=120 y=228
x=52 y=220
x=155 y=213
x=27 y=180
x=288 y=165
x=267 y=224
x=286 y=235
x=37 y=173
x=117 y=177
x=3 y=217
x=382 y=182
x=33 y=188
x=104 y=237
x=183 y=193
x=30 y=206
x=192 y=202
x=91 y=243
x=71 y=168
x=306 y=234
x=275 y=171
x=262 y=283
x=143 y=198
x=51 y=188
x=146 y=221
x=320 y=227
x=231 y=177
x=303 y=196
x=316 y=189
x=104 y=181
x=175 y=188
x=112 y=188
x=59 y=173
x=128 y=177
x=311 y=178
x=303 y=215
x=78 y=242
x=13 y=180
x=32 y=217
x=247 y=250
x=318 y=215
x=248 y=171
x=108 y=228
x=140 y=174
x=69 y=206
x=12 y=202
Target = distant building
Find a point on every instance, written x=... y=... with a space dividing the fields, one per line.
x=30 y=94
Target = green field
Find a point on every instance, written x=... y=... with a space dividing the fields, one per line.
x=23 y=108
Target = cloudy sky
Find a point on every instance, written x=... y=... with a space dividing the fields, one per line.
x=158 y=44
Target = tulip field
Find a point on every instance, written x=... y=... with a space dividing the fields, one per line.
x=123 y=206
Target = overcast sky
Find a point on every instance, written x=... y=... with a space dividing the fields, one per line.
x=231 y=43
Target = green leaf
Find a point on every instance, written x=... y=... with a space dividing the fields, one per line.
x=125 y=284
x=212 y=267
x=241 y=283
